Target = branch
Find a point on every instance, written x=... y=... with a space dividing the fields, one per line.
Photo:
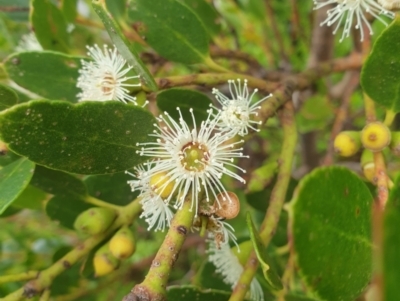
x=153 y=287
x=277 y=199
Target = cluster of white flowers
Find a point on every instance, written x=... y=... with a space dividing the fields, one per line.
x=190 y=162
x=351 y=11
x=184 y=162
x=105 y=77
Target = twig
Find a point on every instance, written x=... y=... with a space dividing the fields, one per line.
x=277 y=199
x=341 y=114
x=19 y=277
x=153 y=287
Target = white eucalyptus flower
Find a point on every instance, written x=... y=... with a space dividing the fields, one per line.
x=352 y=10
x=156 y=212
x=239 y=109
x=104 y=78
x=191 y=161
x=228 y=265
x=29 y=42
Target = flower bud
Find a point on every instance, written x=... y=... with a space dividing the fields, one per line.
x=375 y=136
x=245 y=249
x=104 y=262
x=227 y=205
x=347 y=143
x=395 y=143
x=368 y=165
x=369 y=172
x=122 y=244
x=161 y=184
x=95 y=220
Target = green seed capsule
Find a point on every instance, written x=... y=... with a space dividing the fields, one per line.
x=122 y=245
x=347 y=143
x=94 y=220
x=104 y=262
x=375 y=136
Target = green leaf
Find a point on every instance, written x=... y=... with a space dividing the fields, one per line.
x=65 y=209
x=57 y=182
x=192 y=293
x=391 y=245
x=69 y=9
x=331 y=231
x=117 y=8
x=87 y=138
x=10 y=210
x=50 y=25
x=8 y=97
x=122 y=44
x=111 y=188
x=207 y=14
x=169 y=100
x=52 y=75
x=381 y=71
x=172 y=29
x=269 y=273
x=6 y=156
x=13 y=180
x=31 y=198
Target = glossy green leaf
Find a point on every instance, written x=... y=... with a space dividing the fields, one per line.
x=331 y=231
x=207 y=14
x=123 y=45
x=69 y=9
x=10 y=211
x=87 y=138
x=172 y=29
x=192 y=293
x=13 y=180
x=269 y=273
x=31 y=198
x=49 y=25
x=381 y=71
x=391 y=245
x=57 y=182
x=6 y=155
x=117 y=8
x=169 y=100
x=65 y=209
x=8 y=97
x=52 y=75
x=111 y=188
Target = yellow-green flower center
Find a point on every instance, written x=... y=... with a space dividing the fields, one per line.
x=194 y=156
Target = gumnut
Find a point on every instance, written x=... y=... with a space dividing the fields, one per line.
x=226 y=205
x=104 y=262
x=347 y=143
x=122 y=245
x=95 y=220
x=161 y=184
x=375 y=136
x=395 y=143
x=243 y=252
